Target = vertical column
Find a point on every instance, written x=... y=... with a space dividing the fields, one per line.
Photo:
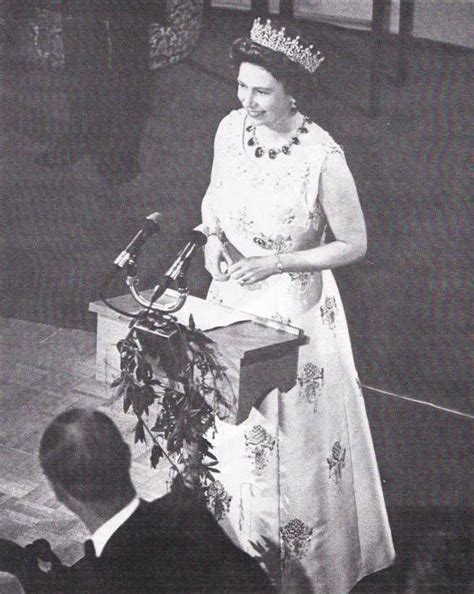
x=380 y=9
x=407 y=17
x=286 y=8
x=260 y=7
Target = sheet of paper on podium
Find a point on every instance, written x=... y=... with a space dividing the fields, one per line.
x=208 y=316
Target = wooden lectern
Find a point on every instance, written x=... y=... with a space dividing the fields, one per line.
x=258 y=354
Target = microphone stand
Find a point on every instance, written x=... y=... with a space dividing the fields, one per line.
x=162 y=308
x=104 y=299
x=156 y=317
x=173 y=304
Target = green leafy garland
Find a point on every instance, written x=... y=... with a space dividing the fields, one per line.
x=185 y=391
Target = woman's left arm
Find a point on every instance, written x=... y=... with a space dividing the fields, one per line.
x=340 y=202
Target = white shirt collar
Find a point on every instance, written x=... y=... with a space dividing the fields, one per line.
x=102 y=535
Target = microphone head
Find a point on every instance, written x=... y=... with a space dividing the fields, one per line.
x=155 y=217
x=152 y=221
x=198 y=238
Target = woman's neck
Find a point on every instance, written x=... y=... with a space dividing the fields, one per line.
x=282 y=128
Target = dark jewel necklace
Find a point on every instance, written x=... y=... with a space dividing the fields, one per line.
x=273 y=152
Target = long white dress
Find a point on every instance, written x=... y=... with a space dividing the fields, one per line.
x=299 y=486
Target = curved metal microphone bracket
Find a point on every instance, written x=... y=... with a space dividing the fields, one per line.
x=174 y=277
x=172 y=304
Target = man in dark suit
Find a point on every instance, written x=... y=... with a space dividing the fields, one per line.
x=106 y=50
x=171 y=545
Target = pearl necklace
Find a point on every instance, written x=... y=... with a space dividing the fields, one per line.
x=273 y=152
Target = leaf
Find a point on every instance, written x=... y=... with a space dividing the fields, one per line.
x=190 y=371
x=140 y=432
x=211 y=455
x=128 y=398
x=206 y=442
x=156 y=455
x=147 y=371
x=148 y=394
x=259 y=548
x=205 y=472
x=142 y=399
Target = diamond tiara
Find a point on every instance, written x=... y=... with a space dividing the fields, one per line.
x=276 y=40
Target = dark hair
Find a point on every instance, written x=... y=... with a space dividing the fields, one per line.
x=297 y=81
x=83 y=452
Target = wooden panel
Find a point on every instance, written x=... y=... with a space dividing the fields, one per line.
x=251 y=339
x=109 y=332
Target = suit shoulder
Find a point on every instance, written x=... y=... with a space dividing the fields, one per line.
x=190 y=535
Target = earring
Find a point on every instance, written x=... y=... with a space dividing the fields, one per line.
x=293 y=107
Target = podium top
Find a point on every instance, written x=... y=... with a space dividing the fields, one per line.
x=245 y=334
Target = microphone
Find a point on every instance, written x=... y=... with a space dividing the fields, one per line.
x=149 y=228
x=197 y=240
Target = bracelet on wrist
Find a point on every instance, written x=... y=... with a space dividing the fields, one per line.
x=221 y=235
x=217 y=234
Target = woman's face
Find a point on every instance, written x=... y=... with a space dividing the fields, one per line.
x=263 y=96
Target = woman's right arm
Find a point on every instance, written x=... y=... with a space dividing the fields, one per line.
x=217 y=257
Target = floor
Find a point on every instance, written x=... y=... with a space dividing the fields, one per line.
x=47 y=369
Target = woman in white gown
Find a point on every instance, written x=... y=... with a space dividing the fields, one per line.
x=299 y=485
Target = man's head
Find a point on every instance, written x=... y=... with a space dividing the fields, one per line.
x=85 y=458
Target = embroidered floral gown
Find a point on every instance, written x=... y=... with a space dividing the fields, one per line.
x=299 y=485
